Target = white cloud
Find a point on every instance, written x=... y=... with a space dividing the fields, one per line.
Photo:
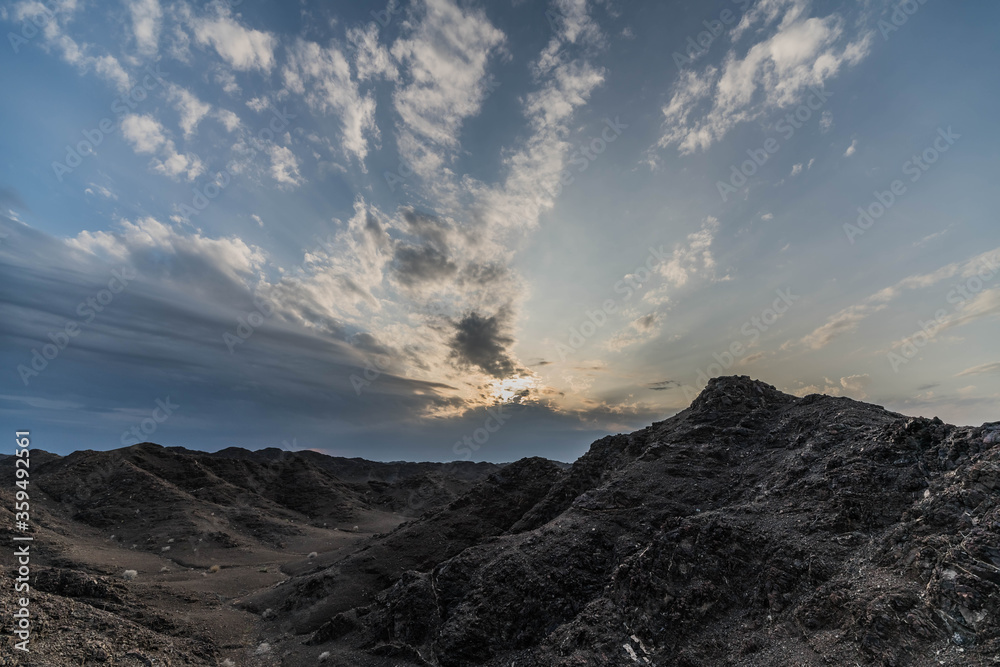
x=174 y=164
x=853 y=386
x=143 y=132
x=95 y=189
x=229 y=119
x=930 y=237
x=849 y=319
x=852 y=149
x=258 y=104
x=826 y=122
x=146 y=16
x=982 y=368
x=147 y=136
x=856 y=386
x=982 y=304
x=404 y=280
x=640 y=330
x=60 y=14
x=775 y=73
x=143 y=243
x=284 y=166
x=534 y=171
x=192 y=109
x=227 y=80
x=692 y=258
x=371 y=59
x=243 y=48
x=108 y=67
x=796 y=169
x=444 y=58
x=571 y=22
x=323 y=77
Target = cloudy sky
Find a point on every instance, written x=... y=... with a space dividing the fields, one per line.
x=438 y=229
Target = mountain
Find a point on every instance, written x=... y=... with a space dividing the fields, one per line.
x=753 y=528
x=193 y=531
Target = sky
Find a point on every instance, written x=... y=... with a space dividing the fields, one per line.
x=439 y=230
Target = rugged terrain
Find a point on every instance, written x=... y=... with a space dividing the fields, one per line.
x=753 y=528
x=198 y=530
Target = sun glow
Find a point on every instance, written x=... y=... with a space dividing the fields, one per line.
x=511 y=390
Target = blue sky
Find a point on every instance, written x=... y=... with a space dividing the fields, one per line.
x=438 y=230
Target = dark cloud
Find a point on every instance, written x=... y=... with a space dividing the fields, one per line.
x=646 y=321
x=368 y=343
x=484 y=274
x=480 y=341
x=160 y=338
x=421 y=264
x=429 y=228
x=154 y=339
x=663 y=385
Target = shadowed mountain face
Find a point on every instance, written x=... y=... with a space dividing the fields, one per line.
x=753 y=528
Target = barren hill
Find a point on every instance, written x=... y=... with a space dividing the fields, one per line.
x=753 y=528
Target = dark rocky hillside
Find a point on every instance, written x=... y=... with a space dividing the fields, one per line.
x=753 y=528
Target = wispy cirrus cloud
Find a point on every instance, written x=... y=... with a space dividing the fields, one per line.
x=79 y=54
x=791 y=53
x=322 y=75
x=981 y=369
x=849 y=319
x=443 y=56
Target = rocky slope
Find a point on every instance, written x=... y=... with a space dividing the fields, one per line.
x=196 y=531
x=753 y=528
